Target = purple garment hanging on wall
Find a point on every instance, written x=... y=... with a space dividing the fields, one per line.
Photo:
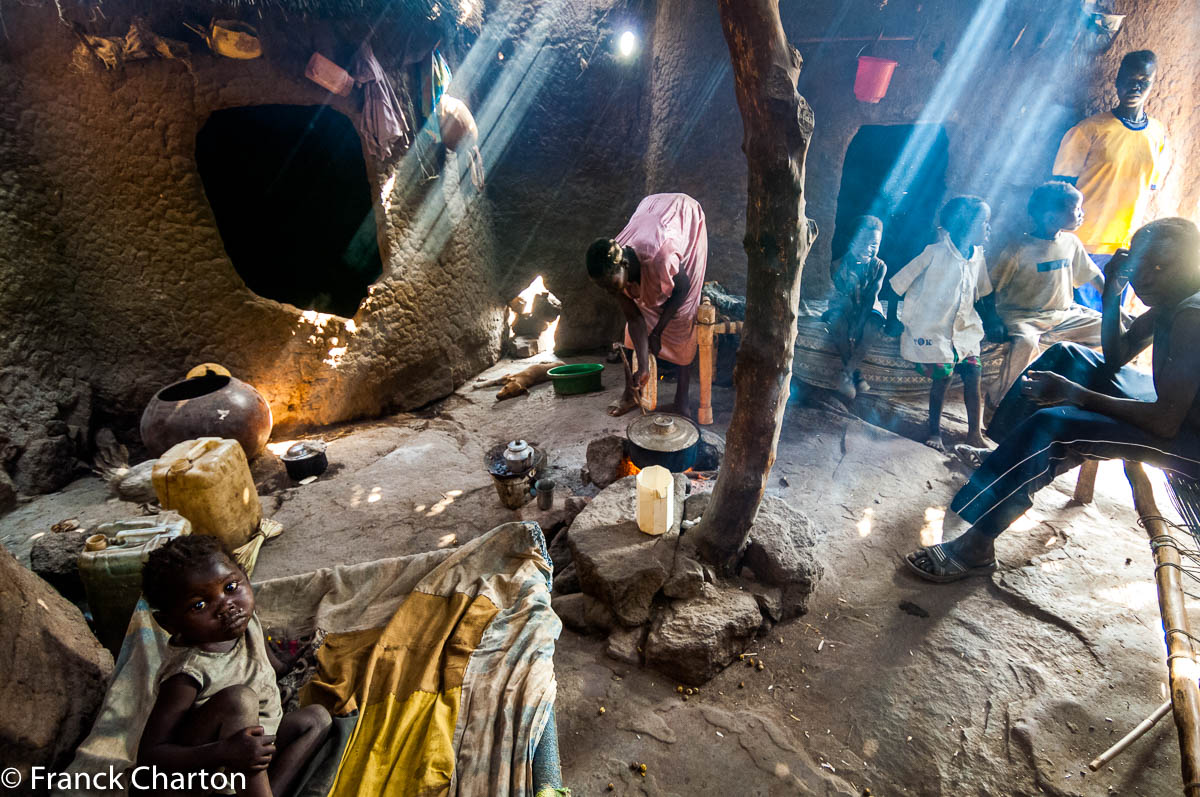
x=383 y=122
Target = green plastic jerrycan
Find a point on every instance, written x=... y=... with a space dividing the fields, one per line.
x=111 y=569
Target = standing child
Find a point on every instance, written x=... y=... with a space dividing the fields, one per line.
x=218 y=703
x=942 y=329
x=855 y=315
x=1035 y=279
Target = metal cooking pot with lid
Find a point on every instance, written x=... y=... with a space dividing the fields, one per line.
x=662 y=438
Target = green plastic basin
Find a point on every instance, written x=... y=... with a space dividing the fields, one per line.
x=578 y=378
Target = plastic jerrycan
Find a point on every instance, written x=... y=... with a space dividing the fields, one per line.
x=207 y=480
x=110 y=568
x=655 y=499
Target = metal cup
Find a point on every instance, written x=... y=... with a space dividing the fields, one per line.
x=545 y=493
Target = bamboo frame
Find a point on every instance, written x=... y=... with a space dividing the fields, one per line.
x=1181 y=655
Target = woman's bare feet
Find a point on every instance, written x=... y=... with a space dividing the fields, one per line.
x=976 y=440
x=624 y=404
x=934 y=441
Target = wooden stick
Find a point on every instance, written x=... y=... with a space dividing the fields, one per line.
x=1085 y=482
x=1131 y=737
x=637 y=391
x=1181 y=657
x=706 y=317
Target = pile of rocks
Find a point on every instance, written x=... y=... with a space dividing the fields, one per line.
x=658 y=603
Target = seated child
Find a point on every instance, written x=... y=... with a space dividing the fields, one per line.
x=218 y=703
x=1034 y=281
x=942 y=329
x=855 y=315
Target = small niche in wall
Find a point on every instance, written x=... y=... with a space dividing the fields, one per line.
x=288 y=187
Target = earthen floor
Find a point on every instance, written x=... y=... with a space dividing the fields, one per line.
x=1009 y=686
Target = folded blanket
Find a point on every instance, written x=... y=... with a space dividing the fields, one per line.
x=442 y=662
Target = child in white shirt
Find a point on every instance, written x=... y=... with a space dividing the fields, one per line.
x=1034 y=280
x=942 y=329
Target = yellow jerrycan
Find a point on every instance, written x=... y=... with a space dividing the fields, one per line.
x=207 y=480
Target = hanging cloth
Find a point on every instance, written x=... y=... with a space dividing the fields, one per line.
x=382 y=122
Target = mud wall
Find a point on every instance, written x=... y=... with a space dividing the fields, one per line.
x=1169 y=28
x=115 y=278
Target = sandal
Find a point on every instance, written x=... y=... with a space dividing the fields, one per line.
x=945 y=567
x=971 y=456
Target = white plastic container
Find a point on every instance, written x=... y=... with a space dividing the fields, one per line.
x=655 y=499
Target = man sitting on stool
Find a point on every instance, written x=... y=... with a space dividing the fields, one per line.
x=1073 y=404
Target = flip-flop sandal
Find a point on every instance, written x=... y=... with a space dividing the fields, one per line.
x=951 y=569
x=971 y=456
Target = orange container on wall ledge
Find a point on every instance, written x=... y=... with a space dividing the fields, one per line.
x=873 y=78
x=208 y=481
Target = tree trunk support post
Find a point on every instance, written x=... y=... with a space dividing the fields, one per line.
x=1181 y=656
x=777 y=125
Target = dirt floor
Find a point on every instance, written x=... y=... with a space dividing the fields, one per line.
x=1000 y=686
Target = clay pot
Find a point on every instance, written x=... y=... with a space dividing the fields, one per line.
x=213 y=405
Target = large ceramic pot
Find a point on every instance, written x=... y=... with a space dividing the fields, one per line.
x=213 y=405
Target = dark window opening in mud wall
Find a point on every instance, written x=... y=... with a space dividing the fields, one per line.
x=898 y=173
x=288 y=187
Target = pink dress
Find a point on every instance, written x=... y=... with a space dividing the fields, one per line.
x=668 y=235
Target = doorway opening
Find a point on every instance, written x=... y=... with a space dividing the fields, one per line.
x=288 y=187
x=898 y=173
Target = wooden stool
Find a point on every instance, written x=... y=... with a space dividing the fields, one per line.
x=706 y=330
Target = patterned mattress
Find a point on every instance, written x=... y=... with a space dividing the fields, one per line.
x=816 y=363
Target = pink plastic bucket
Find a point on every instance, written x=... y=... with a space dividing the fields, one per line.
x=873 y=77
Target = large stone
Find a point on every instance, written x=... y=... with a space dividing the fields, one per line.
x=693 y=640
x=47 y=464
x=604 y=455
x=8 y=492
x=55 y=557
x=560 y=551
x=583 y=613
x=710 y=452
x=625 y=645
x=686 y=578
x=618 y=564
x=55 y=672
x=566 y=581
x=781 y=554
x=695 y=505
x=560 y=514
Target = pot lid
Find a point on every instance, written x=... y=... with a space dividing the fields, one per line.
x=663 y=432
x=303 y=450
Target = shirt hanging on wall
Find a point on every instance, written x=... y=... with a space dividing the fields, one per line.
x=382 y=122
